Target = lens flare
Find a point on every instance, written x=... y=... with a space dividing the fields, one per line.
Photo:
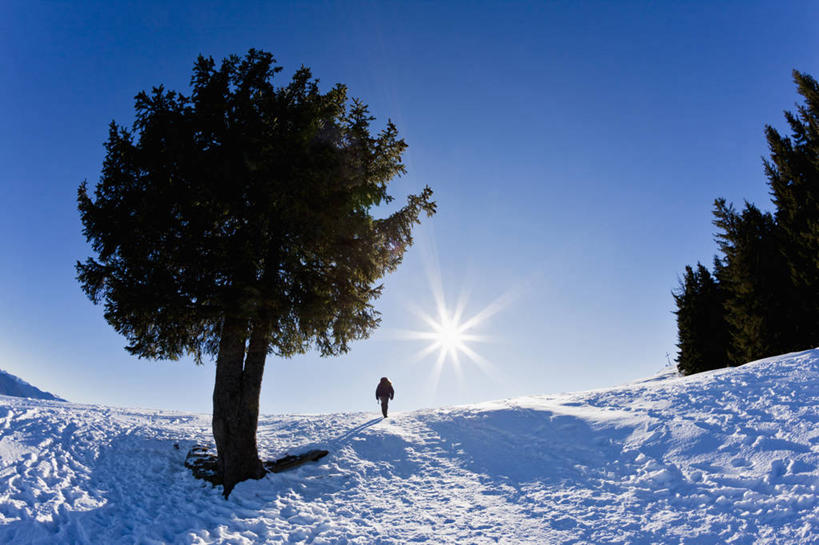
x=448 y=333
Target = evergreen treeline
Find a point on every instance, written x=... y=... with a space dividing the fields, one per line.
x=762 y=297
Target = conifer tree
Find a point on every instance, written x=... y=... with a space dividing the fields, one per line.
x=701 y=326
x=757 y=286
x=793 y=176
x=769 y=269
x=238 y=221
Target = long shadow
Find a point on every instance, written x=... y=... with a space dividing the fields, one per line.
x=391 y=452
x=305 y=454
x=349 y=434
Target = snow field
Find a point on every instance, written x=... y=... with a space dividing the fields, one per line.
x=730 y=456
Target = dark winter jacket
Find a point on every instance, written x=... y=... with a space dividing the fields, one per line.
x=384 y=389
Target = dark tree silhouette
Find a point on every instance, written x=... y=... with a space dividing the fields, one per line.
x=755 y=279
x=701 y=327
x=237 y=222
x=793 y=176
x=768 y=272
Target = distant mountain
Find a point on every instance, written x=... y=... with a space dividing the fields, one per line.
x=14 y=386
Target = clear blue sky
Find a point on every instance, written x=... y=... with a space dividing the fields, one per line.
x=575 y=149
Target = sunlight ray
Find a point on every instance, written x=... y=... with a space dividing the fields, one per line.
x=487 y=367
x=472 y=338
x=460 y=306
x=449 y=335
x=423 y=315
x=411 y=334
x=456 y=364
x=441 y=355
x=433 y=273
x=424 y=352
x=436 y=374
x=449 y=329
x=479 y=360
x=491 y=309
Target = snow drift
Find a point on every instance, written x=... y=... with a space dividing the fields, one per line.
x=730 y=456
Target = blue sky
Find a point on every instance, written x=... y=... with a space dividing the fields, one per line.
x=575 y=150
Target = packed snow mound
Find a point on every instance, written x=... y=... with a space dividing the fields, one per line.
x=17 y=387
x=729 y=456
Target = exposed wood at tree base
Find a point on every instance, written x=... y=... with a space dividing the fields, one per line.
x=202 y=463
x=293 y=461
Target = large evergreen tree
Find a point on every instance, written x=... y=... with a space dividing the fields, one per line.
x=238 y=221
x=769 y=269
x=702 y=330
x=793 y=176
x=753 y=274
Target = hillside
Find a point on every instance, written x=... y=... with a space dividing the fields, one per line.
x=730 y=456
x=17 y=387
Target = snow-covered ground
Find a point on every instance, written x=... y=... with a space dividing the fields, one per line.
x=730 y=456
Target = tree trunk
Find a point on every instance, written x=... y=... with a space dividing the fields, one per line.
x=236 y=403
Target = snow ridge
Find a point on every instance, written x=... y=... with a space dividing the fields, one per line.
x=11 y=385
x=730 y=456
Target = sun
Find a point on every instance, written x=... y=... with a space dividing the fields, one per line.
x=449 y=336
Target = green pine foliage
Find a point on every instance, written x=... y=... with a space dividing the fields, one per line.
x=239 y=221
x=701 y=326
x=768 y=270
x=793 y=176
x=754 y=276
x=245 y=200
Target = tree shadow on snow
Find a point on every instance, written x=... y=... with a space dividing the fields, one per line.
x=348 y=435
x=378 y=446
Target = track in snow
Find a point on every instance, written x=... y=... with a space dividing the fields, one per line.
x=730 y=456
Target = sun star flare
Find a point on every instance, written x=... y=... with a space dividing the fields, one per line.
x=449 y=335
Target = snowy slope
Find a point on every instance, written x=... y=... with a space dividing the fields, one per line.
x=730 y=456
x=14 y=386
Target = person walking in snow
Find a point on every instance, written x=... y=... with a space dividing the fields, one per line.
x=384 y=393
